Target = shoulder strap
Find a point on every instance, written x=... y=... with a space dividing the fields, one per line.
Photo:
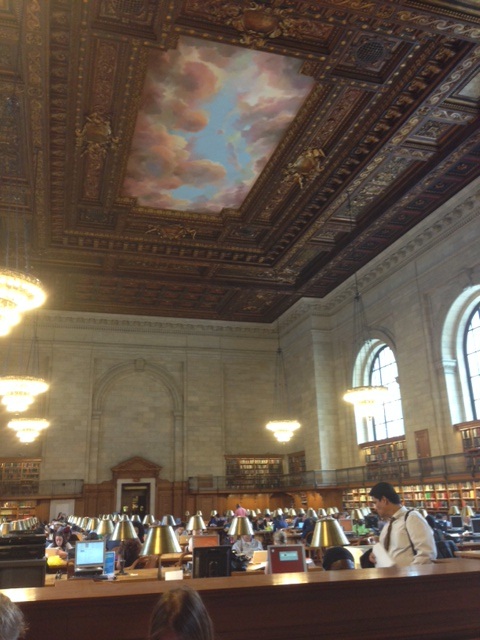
x=409 y=511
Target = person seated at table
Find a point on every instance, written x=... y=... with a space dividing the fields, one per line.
x=128 y=552
x=337 y=559
x=279 y=522
x=359 y=528
x=246 y=545
x=61 y=545
x=309 y=522
x=12 y=622
x=180 y=615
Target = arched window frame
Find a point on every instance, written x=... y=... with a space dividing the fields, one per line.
x=361 y=377
x=469 y=374
x=453 y=354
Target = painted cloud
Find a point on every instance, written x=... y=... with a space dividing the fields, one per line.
x=211 y=115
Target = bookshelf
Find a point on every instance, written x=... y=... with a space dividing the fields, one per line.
x=16 y=509
x=470 y=433
x=19 y=476
x=438 y=496
x=391 y=450
x=297 y=462
x=253 y=472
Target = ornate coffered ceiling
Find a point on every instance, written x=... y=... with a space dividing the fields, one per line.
x=220 y=160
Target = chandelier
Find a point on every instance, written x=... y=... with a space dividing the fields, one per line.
x=28 y=429
x=282 y=424
x=19 y=291
x=21 y=387
x=19 y=392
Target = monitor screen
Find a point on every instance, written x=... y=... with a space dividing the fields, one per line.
x=299 y=525
x=211 y=562
x=457 y=522
x=475 y=522
x=286 y=558
x=89 y=553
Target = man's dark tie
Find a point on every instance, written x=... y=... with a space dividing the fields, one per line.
x=386 y=544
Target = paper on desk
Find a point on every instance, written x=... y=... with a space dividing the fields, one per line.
x=382 y=557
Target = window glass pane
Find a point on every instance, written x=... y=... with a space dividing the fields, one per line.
x=472 y=358
x=388 y=421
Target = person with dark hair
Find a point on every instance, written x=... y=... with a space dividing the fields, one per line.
x=12 y=622
x=407 y=537
x=337 y=558
x=180 y=615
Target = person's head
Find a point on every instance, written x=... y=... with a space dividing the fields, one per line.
x=338 y=558
x=247 y=537
x=385 y=499
x=59 y=540
x=180 y=615
x=12 y=622
x=431 y=521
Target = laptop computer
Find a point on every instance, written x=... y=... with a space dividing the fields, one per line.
x=89 y=558
x=259 y=556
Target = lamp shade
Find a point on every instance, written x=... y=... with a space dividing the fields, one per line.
x=160 y=539
x=266 y=512
x=196 y=523
x=4 y=528
x=423 y=511
x=311 y=513
x=136 y=518
x=168 y=520
x=93 y=524
x=328 y=533
x=149 y=519
x=357 y=514
x=105 y=527
x=213 y=513
x=454 y=511
x=467 y=511
x=229 y=513
x=292 y=513
x=124 y=530
x=199 y=513
x=321 y=513
x=241 y=526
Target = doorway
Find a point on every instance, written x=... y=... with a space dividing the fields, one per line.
x=135 y=499
x=422 y=443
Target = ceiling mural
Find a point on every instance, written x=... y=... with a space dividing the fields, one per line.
x=210 y=117
x=222 y=159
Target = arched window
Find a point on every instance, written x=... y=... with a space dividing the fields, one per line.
x=472 y=360
x=388 y=419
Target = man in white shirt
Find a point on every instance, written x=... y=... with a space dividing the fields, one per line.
x=407 y=536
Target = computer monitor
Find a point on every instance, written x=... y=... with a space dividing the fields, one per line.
x=475 y=523
x=457 y=522
x=89 y=556
x=346 y=524
x=288 y=558
x=211 y=562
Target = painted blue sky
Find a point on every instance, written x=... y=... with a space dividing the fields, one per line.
x=210 y=118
